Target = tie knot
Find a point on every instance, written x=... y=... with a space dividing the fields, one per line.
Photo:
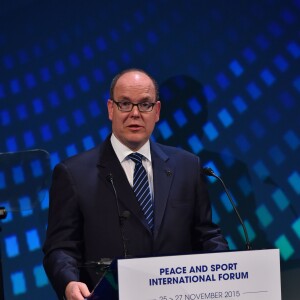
x=136 y=157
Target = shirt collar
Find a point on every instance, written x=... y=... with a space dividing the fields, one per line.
x=123 y=151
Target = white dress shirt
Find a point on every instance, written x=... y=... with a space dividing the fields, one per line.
x=128 y=165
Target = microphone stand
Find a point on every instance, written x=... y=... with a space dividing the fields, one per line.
x=210 y=172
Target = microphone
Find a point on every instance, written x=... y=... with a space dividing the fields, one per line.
x=122 y=216
x=210 y=172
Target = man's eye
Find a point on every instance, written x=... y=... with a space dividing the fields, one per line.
x=125 y=104
x=145 y=104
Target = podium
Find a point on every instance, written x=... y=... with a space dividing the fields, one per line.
x=244 y=275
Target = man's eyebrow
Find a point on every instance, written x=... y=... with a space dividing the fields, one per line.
x=125 y=98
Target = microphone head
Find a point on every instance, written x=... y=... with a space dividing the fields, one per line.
x=208 y=171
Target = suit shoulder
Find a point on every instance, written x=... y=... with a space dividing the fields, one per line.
x=174 y=151
x=86 y=157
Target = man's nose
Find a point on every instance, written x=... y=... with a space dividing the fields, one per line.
x=135 y=111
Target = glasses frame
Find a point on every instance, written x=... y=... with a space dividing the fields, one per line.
x=133 y=105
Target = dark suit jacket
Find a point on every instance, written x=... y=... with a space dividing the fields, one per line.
x=83 y=216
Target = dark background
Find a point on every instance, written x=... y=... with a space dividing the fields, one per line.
x=230 y=87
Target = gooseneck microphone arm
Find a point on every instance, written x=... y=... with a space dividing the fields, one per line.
x=122 y=216
x=210 y=172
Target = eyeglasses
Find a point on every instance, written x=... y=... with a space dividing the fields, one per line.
x=127 y=106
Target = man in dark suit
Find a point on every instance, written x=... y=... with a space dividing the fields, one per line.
x=92 y=191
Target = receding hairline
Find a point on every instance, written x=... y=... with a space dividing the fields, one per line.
x=131 y=70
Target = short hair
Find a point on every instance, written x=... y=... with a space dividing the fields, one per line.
x=116 y=78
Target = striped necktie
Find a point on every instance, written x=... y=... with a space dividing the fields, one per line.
x=141 y=188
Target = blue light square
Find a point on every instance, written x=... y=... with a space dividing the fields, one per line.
x=2 y=181
x=209 y=93
x=222 y=80
x=15 y=86
x=195 y=105
x=281 y=63
x=71 y=150
x=261 y=170
x=239 y=104
x=79 y=117
x=215 y=216
x=210 y=131
x=44 y=199
x=84 y=84
x=225 y=117
x=18 y=283
x=11 y=246
x=38 y=106
x=60 y=67
x=292 y=139
x=280 y=199
x=195 y=144
x=294 y=49
x=104 y=132
x=267 y=77
x=236 y=68
x=286 y=248
x=231 y=243
x=11 y=144
x=36 y=168
x=296 y=227
x=22 y=112
x=18 y=175
x=29 y=139
x=254 y=90
x=165 y=129
x=94 y=108
x=25 y=206
x=180 y=118
x=277 y=155
x=294 y=181
x=45 y=74
x=54 y=159
x=40 y=276
x=33 y=240
x=249 y=55
x=4 y=117
x=46 y=132
x=264 y=215
x=296 y=84
x=54 y=99
x=88 y=142
x=63 y=125
x=88 y=52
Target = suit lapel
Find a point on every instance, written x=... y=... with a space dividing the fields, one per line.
x=163 y=174
x=109 y=165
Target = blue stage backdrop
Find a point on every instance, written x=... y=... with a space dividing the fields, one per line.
x=230 y=89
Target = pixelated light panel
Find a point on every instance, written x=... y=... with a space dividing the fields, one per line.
x=229 y=85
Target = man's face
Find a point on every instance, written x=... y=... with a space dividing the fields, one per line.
x=133 y=128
